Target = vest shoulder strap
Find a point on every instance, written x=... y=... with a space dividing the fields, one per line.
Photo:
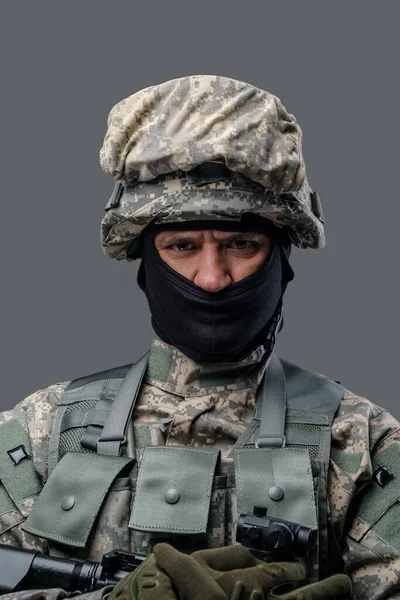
x=311 y=397
x=114 y=373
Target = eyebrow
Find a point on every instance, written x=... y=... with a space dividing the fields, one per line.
x=186 y=237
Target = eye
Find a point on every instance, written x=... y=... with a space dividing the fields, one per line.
x=182 y=246
x=242 y=245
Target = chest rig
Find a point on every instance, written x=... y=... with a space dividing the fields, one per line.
x=99 y=496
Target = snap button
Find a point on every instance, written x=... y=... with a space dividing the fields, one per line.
x=68 y=502
x=276 y=493
x=172 y=496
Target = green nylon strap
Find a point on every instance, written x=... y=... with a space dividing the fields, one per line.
x=293 y=437
x=99 y=376
x=187 y=471
x=259 y=470
x=93 y=430
x=80 y=480
x=113 y=434
x=20 y=481
x=271 y=406
x=54 y=442
x=83 y=418
x=91 y=436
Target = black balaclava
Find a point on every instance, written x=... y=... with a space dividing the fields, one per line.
x=212 y=327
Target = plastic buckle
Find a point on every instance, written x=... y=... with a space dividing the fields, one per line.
x=271 y=441
x=111 y=438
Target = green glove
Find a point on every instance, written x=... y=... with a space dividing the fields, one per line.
x=147 y=582
x=189 y=578
x=183 y=578
x=230 y=573
x=243 y=577
x=337 y=587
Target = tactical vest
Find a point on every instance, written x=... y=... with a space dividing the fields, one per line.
x=104 y=493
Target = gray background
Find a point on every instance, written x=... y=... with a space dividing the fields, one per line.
x=66 y=310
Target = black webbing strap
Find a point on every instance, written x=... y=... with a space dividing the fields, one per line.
x=271 y=407
x=113 y=434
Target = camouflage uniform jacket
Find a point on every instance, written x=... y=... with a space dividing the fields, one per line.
x=182 y=403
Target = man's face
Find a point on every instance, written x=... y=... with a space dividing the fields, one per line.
x=213 y=259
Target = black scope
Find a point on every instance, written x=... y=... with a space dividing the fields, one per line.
x=272 y=539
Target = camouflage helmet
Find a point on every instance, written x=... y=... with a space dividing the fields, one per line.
x=205 y=147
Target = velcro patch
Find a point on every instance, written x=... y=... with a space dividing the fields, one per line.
x=382 y=476
x=18 y=454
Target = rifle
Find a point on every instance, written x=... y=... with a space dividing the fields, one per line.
x=22 y=569
x=268 y=538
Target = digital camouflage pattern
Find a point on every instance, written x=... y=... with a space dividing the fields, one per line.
x=185 y=122
x=163 y=131
x=183 y=403
x=171 y=198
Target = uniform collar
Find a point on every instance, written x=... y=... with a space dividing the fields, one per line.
x=172 y=371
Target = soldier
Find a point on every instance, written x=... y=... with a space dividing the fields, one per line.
x=169 y=457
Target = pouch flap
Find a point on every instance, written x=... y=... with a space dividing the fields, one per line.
x=259 y=470
x=71 y=499
x=173 y=489
x=17 y=472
